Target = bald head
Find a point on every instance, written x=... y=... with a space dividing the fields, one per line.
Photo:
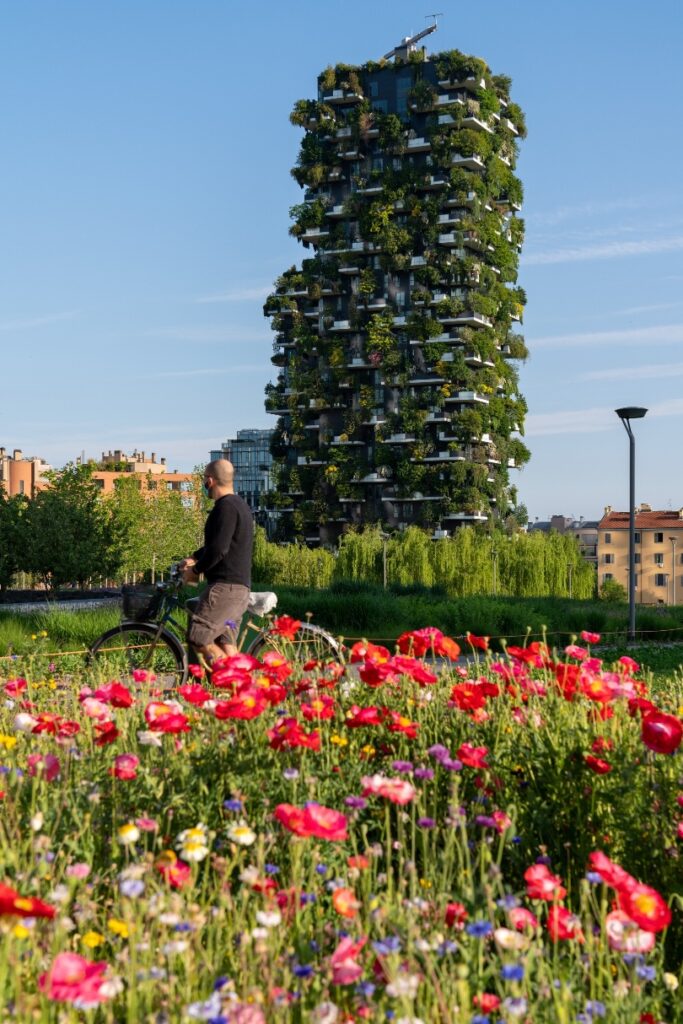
x=222 y=472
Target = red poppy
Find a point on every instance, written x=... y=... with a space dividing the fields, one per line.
x=659 y=732
x=413 y=668
x=357 y=717
x=399 y=723
x=362 y=650
x=542 y=884
x=319 y=708
x=236 y=662
x=15 y=905
x=15 y=687
x=106 y=733
x=646 y=907
x=227 y=678
x=562 y=924
x=125 y=766
x=468 y=696
x=288 y=734
x=597 y=765
x=115 y=694
x=486 y=1002
x=247 y=705
x=601 y=744
x=173 y=870
x=455 y=915
x=285 y=626
x=612 y=874
x=313 y=820
x=374 y=673
x=194 y=694
x=482 y=642
x=277 y=666
x=166 y=716
x=590 y=638
x=474 y=757
x=358 y=861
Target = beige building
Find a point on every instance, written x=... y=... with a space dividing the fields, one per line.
x=152 y=475
x=584 y=531
x=658 y=551
x=22 y=475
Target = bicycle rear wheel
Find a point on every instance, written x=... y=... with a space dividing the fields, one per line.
x=309 y=643
x=135 y=645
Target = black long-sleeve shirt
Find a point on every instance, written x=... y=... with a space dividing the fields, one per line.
x=228 y=542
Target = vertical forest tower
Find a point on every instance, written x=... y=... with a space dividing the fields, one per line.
x=396 y=341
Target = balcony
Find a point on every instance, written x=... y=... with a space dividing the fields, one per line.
x=401 y=439
x=418 y=146
x=359 y=363
x=370 y=190
x=474 y=360
x=469 y=201
x=335 y=211
x=469 y=320
x=375 y=420
x=315 y=425
x=471 y=83
x=435 y=181
x=307 y=460
x=447 y=338
x=418 y=261
x=399 y=321
x=341 y=440
x=476 y=124
x=344 y=133
x=314 y=235
x=377 y=303
x=340 y=96
x=341 y=325
x=449 y=239
x=467 y=517
x=443 y=101
x=349 y=154
x=437 y=416
x=349 y=269
x=443 y=456
x=470 y=163
x=449 y=219
x=468 y=398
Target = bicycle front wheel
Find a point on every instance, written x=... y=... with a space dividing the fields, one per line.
x=309 y=643
x=138 y=645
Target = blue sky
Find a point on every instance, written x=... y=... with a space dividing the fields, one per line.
x=145 y=190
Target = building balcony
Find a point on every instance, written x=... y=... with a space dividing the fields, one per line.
x=342 y=441
x=425 y=380
x=401 y=439
x=399 y=321
x=470 y=163
x=444 y=456
x=467 y=398
x=349 y=154
x=436 y=181
x=340 y=325
x=349 y=270
x=416 y=496
x=377 y=303
x=307 y=460
x=335 y=211
x=340 y=96
x=466 y=517
x=468 y=320
x=359 y=363
x=476 y=124
x=418 y=261
x=335 y=174
x=448 y=219
x=448 y=100
x=344 y=133
x=418 y=146
x=449 y=238
x=438 y=416
x=314 y=235
x=375 y=420
x=471 y=83
x=447 y=338
x=370 y=190
x=475 y=360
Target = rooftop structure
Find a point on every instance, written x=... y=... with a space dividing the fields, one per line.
x=21 y=474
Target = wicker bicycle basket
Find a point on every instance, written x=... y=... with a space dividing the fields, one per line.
x=140 y=603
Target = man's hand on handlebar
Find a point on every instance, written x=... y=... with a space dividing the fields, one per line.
x=187 y=570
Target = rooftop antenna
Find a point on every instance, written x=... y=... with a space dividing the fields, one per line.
x=407 y=45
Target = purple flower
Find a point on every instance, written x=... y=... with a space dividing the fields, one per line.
x=438 y=752
x=291 y=773
x=358 y=802
x=426 y=822
x=479 y=929
x=131 y=887
x=451 y=764
x=424 y=773
x=484 y=821
x=233 y=805
x=402 y=766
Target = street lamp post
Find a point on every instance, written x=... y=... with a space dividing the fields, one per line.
x=673 y=569
x=626 y=415
x=494 y=556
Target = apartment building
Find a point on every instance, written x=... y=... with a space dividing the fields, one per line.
x=249 y=452
x=397 y=393
x=658 y=553
x=20 y=474
x=150 y=473
x=585 y=532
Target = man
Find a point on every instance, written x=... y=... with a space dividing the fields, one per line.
x=225 y=561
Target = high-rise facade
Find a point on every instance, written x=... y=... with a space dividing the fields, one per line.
x=250 y=455
x=397 y=392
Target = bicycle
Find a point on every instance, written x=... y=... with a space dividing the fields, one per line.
x=146 y=640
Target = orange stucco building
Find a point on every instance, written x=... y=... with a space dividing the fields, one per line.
x=151 y=474
x=658 y=553
x=22 y=475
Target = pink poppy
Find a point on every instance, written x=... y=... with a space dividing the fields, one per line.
x=625 y=936
x=542 y=884
x=125 y=766
x=399 y=791
x=47 y=762
x=71 y=978
x=345 y=968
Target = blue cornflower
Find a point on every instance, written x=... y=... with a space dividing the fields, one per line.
x=595 y=1008
x=131 y=887
x=508 y=902
x=512 y=972
x=647 y=972
x=220 y=982
x=321 y=869
x=183 y=926
x=303 y=970
x=272 y=869
x=307 y=897
x=207 y=1010
x=480 y=1018
x=390 y=944
x=447 y=946
x=365 y=989
x=291 y=773
x=515 y=1007
x=479 y=929
x=593 y=877
x=233 y=804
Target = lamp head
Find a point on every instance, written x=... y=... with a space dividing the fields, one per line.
x=630 y=412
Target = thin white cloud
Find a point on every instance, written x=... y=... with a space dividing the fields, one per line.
x=607 y=251
x=634 y=310
x=593 y=209
x=38 y=321
x=661 y=371
x=590 y=421
x=238 y=295
x=665 y=334
x=209 y=334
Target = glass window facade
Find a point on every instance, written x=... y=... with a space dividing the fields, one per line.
x=249 y=453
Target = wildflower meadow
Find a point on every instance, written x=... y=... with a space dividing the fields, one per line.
x=418 y=835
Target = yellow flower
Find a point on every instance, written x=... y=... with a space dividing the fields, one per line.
x=20 y=931
x=7 y=741
x=34 y=636
x=92 y=939
x=368 y=750
x=340 y=741
x=118 y=927
x=43 y=632
x=128 y=834
x=425 y=883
